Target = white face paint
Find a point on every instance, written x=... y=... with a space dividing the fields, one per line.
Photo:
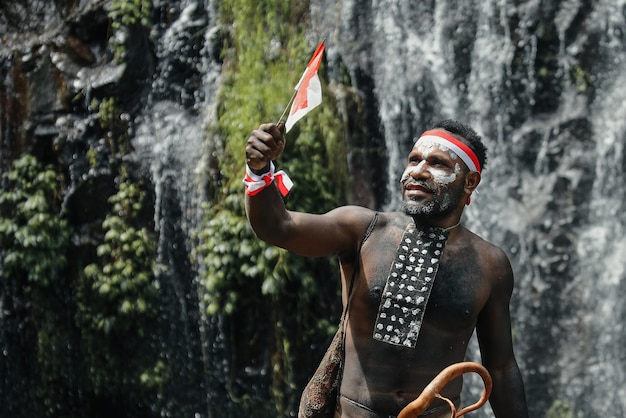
x=440 y=180
x=439 y=176
x=442 y=177
x=410 y=170
x=426 y=145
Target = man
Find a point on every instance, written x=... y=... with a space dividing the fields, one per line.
x=423 y=283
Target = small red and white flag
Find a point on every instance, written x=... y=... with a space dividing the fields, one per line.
x=308 y=90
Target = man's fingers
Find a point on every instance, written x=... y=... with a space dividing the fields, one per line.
x=271 y=131
x=262 y=135
x=282 y=128
x=255 y=159
x=270 y=135
x=277 y=131
x=253 y=155
x=264 y=145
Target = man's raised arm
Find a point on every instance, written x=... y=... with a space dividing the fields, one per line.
x=264 y=206
x=307 y=234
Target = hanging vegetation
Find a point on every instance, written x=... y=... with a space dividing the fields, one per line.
x=283 y=303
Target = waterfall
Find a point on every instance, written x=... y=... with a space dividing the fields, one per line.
x=170 y=145
x=544 y=84
x=542 y=81
x=171 y=129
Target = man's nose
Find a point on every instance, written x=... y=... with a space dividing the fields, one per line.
x=419 y=171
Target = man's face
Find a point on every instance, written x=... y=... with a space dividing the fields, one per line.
x=433 y=182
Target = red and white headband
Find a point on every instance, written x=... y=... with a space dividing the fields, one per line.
x=442 y=138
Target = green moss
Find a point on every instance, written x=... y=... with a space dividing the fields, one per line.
x=582 y=82
x=122 y=281
x=34 y=241
x=115 y=130
x=124 y=14
x=560 y=409
x=33 y=234
x=130 y=12
x=107 y=112
x=260 y=290
x=117 y=301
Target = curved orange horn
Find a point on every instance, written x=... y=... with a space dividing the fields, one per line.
x=448 y=374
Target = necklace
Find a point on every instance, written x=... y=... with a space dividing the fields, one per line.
x=444 y=229
x=452 y=227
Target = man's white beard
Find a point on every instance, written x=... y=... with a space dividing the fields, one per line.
x=440 y=203
x=415 y=208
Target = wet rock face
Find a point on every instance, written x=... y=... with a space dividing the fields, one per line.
x=541 y=81
x=55 y=65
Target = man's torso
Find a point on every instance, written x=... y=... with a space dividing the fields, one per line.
x=384 y=376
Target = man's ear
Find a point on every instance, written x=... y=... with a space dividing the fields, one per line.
x=471 y=181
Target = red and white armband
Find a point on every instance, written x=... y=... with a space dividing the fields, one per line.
x=256 y=182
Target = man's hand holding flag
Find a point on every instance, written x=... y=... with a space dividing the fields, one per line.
x=307 y=96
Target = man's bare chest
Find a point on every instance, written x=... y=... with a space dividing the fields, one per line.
x=458 y=293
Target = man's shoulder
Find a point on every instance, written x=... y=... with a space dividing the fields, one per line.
x=480 y=242
x=361 y=215
x=352 y=210
x=490 y=253
x=398 y=219
x=352 y=214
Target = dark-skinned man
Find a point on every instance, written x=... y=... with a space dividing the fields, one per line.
x=424 y=282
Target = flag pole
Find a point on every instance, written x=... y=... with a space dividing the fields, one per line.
x=293 y=96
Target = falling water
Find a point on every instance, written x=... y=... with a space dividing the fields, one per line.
x=170 y=144
x=543 y=82
x=171 y=130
